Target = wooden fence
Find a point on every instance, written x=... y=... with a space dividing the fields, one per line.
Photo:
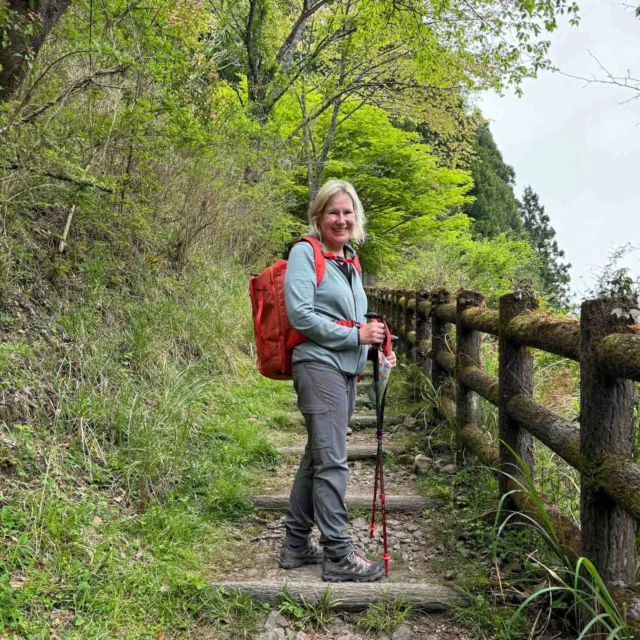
x=606 y=343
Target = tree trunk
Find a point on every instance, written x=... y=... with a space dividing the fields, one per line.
x=43 y=15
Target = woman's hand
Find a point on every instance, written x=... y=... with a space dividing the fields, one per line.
x=372 y=333
x=391 y=358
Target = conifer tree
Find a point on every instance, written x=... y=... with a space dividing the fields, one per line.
x=555 y=273
x=495 y=209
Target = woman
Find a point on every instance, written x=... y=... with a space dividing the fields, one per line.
x=325 y=369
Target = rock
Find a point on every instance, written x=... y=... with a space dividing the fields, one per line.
x=450 y=575
x=634 y=610
x=402 y=535
x=349 y=431
x=338 y=625
x=421 y=464
x=402 y=633
x=359 y=524
x=275 y=620
x=412 y=527
x=273 y=634
x=301 y=635
x=410 y=421
x=449 y=469
x=357 y=465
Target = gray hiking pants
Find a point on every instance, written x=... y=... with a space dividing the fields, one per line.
x=326 y=398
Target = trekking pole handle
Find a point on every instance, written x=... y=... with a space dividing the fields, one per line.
x=388 y=337
x=371 y=318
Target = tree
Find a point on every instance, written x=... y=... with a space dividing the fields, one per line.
x=554 y=273
x=495 y=209
x=24 y=25
x=405 y=192
x=466 y=40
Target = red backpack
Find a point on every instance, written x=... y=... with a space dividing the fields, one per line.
x=275 y=337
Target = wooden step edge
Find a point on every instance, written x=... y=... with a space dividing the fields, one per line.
x=352 y=596
x=358 y=420
x=394 y=503
x=354 y=452
x=363 y=421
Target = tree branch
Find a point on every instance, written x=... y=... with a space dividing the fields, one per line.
x=78 y=85
x=60 y=176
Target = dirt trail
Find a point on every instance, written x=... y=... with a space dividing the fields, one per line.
x=412 y=544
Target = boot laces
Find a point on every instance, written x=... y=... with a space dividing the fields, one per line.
x=359 y=561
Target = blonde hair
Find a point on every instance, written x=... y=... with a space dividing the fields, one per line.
x=327 y=192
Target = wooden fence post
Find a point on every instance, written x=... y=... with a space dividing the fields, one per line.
x=409 y=323
x=467 y=355
x=439 y=335
x=423 y=332
x=515 y=377
x=375 y=300
x=387 y=306
x=606 y=428
x=397 y=316
x=403 y=328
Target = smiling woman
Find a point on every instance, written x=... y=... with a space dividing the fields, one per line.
x=325 y=370
x=337 y=216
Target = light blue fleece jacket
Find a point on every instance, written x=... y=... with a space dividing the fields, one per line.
x=313 y=310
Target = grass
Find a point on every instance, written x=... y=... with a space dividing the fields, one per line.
x=305 y=614
x=573 y=584
x=386 y=617
x=504 y=567
x=129 y=441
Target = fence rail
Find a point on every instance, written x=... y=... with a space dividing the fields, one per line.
x=605 y=342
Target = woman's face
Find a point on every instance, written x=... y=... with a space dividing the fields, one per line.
x=337 y=222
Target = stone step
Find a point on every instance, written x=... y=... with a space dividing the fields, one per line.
x=358 y=420
x=410 y=503
x=351 y=596
x=366 y=420
x=354 y=452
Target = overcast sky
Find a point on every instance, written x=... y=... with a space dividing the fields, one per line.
x=578 y=146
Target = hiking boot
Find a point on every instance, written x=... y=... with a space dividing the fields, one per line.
x=311 y=553
x=352 y=568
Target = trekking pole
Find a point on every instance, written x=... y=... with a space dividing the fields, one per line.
x=379 y=473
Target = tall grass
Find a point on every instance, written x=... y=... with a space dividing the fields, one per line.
x=573 y=583
x=130 y=452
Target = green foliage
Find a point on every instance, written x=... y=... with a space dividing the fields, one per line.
x=404 y=192
x=456 y=259
x=495 y=208
x=316 y=615
x=555 y=274
x=117 y=489
x=488 y=620
x=613 y=281
x=590 y=602
x=386 y=616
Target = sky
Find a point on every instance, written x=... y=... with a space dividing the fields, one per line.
x=576 y=144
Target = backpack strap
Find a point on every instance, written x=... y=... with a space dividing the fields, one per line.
x=318 y=258
x=356 y=263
